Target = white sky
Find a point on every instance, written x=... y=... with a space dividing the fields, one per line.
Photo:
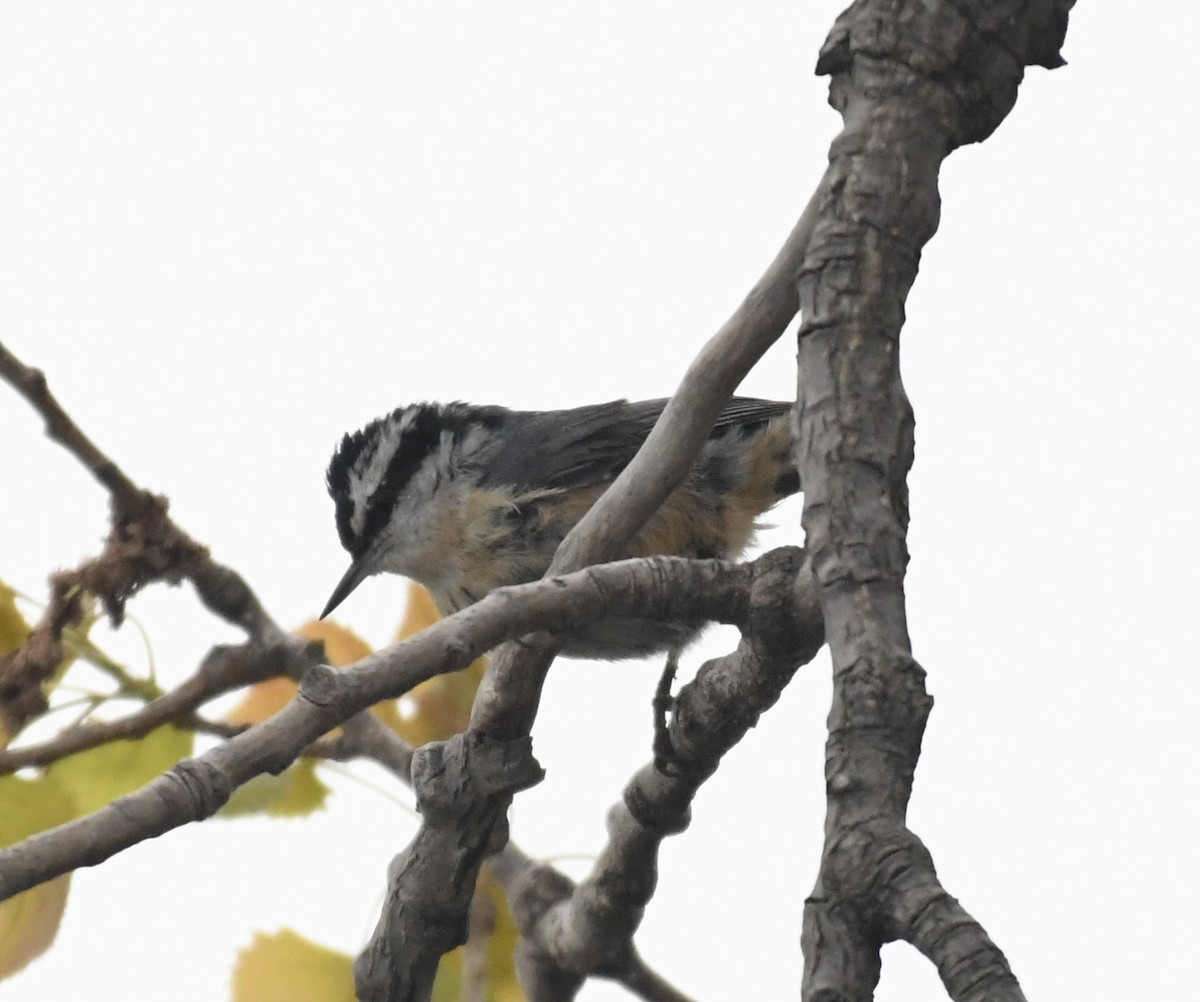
x=231 y=232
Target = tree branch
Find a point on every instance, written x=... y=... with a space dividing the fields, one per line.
x=222 y=590
x=223 y=669
x=144 y=545
x=913 y=81
x=507 y=701
x=674 y=442
x=201 y=786
x=126 y=496
x=194 y=789
x=464 y=785
x=591 y=931
x=570 y=933
x=530 y=887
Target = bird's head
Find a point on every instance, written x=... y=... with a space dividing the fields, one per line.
x=394 y=485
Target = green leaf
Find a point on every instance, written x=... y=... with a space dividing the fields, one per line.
x=440 y=706
x=295 y=792
x=447 y=983
x=501 y=945
x=13 y=628
x=493 y=931
x=29 y=921
x=100 y=775
x=287 y=967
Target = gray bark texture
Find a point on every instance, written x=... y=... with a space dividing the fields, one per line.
x=913 y=81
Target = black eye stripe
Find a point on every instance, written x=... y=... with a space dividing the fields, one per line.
x=418 y=440
x=422 y=435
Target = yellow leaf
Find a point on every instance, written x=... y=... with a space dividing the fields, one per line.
x=420 y=612
x=448 y=982
x=491 y=922
x=342 y=646
x=13 y=631
x=100 y=775
x=440 y=706
x=388 y=713
x=30 y=920
x=295 y=792
x=287 y=967
x=13 y=628
x=502 y=984
x=262 y=700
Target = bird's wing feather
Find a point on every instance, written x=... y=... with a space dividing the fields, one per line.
x=591 y=445
x=750 y=411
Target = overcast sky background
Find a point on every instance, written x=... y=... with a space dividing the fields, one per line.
x=231 y=232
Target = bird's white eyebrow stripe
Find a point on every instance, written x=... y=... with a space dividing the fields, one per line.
x=372 y=465
x=409 y=441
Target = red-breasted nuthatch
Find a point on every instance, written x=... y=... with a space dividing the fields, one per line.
x=464 y=499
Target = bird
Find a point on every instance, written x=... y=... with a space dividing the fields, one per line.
x=466 y=498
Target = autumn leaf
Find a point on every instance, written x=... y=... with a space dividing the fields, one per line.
x=100 y=775
x=440 y=706
x=342 y=646
x=298 y=790
x=502 y=985
x=264 y=699
x=493 y=932
x=448 y=982
x=29 y=921
x=295 y=792
x=436 y=708
x=13 y=631
x=13 y=628
x=286 y=967
x=419 y=612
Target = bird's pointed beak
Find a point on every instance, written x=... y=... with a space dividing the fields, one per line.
x=357 y=573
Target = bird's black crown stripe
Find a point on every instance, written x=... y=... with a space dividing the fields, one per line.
x=421 y=436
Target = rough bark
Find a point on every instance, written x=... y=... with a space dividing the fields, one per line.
x=912 y=81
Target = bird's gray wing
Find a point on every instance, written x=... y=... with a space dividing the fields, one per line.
x=591 y=445
x=750 y=411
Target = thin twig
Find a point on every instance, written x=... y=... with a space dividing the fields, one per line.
x=670 y=588
x=223 y=670
x=144 y=545
x=220 y=588
x=671 y=448
x=31 y=384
